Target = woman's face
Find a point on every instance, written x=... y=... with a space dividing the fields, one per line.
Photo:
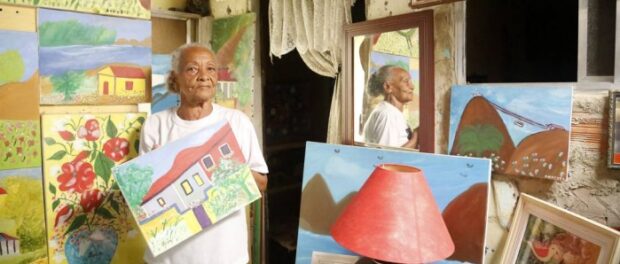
x=399 y=85
x=197 y=75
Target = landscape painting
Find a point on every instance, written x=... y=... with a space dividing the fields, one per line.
x=524 y=130
x=162 y=98
x=126 y=8
x=19 y=100
x=186 y=186
x=234 y=43
x=87 y=219
x=22 y=218
x=93 y=59
x=334 y=173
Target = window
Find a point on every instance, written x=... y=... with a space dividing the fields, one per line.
x=598 y=42
x=128 y=85
x=225 y=150
x=161 y=202
x=187 y=188
x=198 y=180
x=208 y=162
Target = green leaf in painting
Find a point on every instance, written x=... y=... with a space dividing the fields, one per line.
x=58 y=155
x=55 y=204
x=93 y=154
x=49 y=141
x=104 y=213
x=141 y=120
x=36 y=2
x=110 y=128
x=103 y=166
x=115 y=205
x=52 y=189
x=77 y=222
x=136 y=145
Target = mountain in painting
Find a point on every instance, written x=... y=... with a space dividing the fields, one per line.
x=317 y=217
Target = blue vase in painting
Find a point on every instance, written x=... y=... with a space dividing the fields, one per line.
x=96 y=246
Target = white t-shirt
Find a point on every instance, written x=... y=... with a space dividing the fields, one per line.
x=226 y=241
x=386 y=125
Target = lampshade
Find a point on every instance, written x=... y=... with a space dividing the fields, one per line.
x=394 y=218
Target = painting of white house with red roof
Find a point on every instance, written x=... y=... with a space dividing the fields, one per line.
x=186 y=186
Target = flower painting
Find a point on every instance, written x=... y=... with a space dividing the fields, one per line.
x=87 y=219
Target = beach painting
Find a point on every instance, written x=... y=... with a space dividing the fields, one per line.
x=93 y=59
x=334 y=173
x=523 y=129
x=162 y=98
x=185 y=186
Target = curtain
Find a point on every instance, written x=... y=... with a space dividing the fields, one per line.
x=315 y=29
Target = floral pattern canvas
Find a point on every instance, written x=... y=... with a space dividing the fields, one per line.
x=87 y=219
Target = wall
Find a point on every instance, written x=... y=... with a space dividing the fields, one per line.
x=592 y=190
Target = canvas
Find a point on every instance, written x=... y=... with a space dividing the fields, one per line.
x=127 y=8
x=523 y=129
x=87 y=219
x=334 y=173
x=234 y=43
x=162 y=97
x=93 y=59
x=22 y=218
x=186 y=186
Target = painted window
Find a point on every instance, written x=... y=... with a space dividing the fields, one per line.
x=225 y=150
x=208 y=162
x=187 y=188
x=198 y=180
x=128 y=85
x=161 y=202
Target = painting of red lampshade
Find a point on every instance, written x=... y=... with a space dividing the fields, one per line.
x=394 y=218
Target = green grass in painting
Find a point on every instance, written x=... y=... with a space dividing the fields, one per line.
x=23 y=204
x=20 y=144
x=72 y=32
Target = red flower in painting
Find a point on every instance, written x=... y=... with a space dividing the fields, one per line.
x=76 y=175
x=90 y=131
x=62 y=216
x=90 y=200
x=66 y=135
x=116 y=148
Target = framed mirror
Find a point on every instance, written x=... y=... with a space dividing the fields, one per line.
x=389 y=82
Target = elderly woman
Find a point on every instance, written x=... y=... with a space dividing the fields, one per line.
x=386 y=124
x=194 y=77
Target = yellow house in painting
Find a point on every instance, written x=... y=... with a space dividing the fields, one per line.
x=121 y=81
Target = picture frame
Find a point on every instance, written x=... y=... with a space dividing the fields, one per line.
x=613 y=153
x=542 y=231
x=356 y=106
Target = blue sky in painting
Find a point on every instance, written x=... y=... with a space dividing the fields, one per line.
x=27 y=45
x=346 y=168
x=28 y=172
x=125 y=28
x=545 y=104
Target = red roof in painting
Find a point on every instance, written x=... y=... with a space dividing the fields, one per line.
x=2 y=191
x=127 y=72
x=7 y=237
x=224 y=74
x=185 y=159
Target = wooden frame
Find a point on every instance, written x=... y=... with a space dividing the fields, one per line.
x=422 y=20
x=551 y=229
x=613 y=157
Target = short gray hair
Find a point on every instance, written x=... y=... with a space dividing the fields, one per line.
x=176 y=61
x=378 y=78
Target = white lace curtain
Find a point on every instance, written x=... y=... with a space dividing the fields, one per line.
x=315 y=29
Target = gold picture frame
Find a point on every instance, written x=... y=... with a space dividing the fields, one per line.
x=544 y=232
